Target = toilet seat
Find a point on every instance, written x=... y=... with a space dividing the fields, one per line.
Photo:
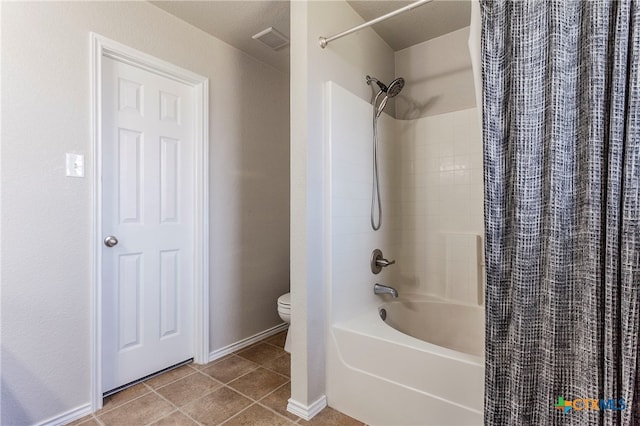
x=284 y=306
x=285 y=301
x=284 y=310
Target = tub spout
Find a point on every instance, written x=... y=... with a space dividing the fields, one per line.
x=385 y=289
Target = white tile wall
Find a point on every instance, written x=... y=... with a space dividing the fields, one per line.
x=442 y=178
x=460 y=258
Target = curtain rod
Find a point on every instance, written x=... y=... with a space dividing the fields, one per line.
x=326 y=40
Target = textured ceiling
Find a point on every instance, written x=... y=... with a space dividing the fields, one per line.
x=234 y=22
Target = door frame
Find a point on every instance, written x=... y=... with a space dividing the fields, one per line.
x=104 y=47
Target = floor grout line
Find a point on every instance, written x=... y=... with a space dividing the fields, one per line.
x=242 y=394
x=178 y=408
x=263 y=366
x=247 y=396
x=196 y=399
x=276 y=346
x=168 y=414
x=259 y=343
x=243 y=374
x=274 y=371
x=238 y=413
x=98 y=420
x=242 y=358
x=282 y=385
x=194 y=371
x=215 y=361
x=255 y=401
x=187 y=415
x=149 y=390
x=276 y=413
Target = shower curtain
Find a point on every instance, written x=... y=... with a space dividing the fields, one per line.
x=561 y=124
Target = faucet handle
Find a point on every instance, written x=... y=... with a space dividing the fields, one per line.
x=384 y=262
x=378 y=261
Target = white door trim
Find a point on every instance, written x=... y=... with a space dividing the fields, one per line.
x=104 y=47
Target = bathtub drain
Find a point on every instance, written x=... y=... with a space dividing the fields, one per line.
x=383 y=314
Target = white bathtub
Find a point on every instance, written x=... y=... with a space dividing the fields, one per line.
x=383 y=376
x=449 y=325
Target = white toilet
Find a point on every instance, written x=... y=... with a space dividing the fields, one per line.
x=284 y=310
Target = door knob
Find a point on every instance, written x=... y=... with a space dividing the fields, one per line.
x=110 y=241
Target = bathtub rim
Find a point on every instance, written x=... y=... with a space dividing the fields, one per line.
x=417 y=297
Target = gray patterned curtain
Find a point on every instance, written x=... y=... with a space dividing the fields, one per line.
x=562 y=211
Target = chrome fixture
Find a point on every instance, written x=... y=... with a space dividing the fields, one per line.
x=389 y=92
x=110 y=241
x=383 y=314
x=378 y=261
x=385 y=289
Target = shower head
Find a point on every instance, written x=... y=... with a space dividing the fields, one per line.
x=395 y=87
x=392 y=91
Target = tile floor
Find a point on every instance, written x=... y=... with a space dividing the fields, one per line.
x=248 y=387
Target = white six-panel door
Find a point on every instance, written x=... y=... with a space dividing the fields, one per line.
x=148 y=206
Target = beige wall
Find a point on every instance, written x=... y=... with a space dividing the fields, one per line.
x=438 y=76
x=346 y=62
x=46 y=217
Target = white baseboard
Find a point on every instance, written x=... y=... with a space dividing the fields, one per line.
x=304 y=411
x=68 y=417
x=219 y=353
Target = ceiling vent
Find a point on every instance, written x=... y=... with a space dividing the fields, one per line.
x=272 y=38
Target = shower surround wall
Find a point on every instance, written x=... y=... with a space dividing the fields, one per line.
x=432 y=195
x=441 y=216
x=441 y=171
x=346 y=62
x=425 y=383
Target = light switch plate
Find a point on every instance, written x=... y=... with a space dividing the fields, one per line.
x=75 y=165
